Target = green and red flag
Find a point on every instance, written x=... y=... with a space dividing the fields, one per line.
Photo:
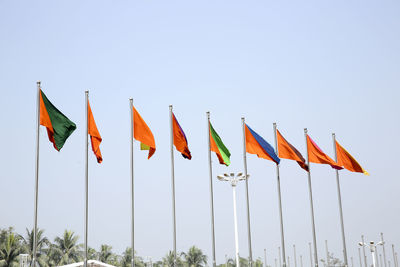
x=58 y=126
x=217 y=146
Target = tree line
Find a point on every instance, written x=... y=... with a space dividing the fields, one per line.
x=66 y=249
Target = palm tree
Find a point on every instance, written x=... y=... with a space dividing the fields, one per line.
x=10 y=248
x=42 y=242
x=127 y=258
x=66 y=248
x=195 y=257
x=168 y=260
x=105 y=253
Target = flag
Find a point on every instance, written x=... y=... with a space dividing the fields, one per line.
x=287 y=151
x=219 y=148
x=347 y=161
x=142 y=133
x=255 y=144
x=180 y=140
x=95 y=137
x=58 y=126
x=316 y=155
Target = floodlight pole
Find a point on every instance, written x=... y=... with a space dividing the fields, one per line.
x=234 y=180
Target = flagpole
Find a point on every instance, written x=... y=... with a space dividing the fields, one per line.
x=211 y=191
x=173 y=182
x=384 y=252
x=311 y=204
x=247 y=193
x=340 y=204
x=36 y=177
x=86 y=179
x=132 y=191
x=280 y=199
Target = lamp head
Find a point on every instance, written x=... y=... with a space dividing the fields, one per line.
x=360 y=244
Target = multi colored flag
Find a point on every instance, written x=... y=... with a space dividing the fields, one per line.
x=316 y=155
x=287 y=151
x=217 y=146
x=180 y=141
x=58 y=126
x=347 y=161
x=255 y=144
x=95 y=137
x=142 y=133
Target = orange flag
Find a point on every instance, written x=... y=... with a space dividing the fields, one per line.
x=347 y=161
x=142 y=133
x=287 y=151
x=316 y=155
x=95 y=137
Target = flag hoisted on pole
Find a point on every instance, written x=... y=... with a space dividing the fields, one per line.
x=142 y=133
x=178 y=138
x=340 y=205
x=216 y=145
x=255 y=144
x=91 y=129
x=311 y=201
x=247 y=193
x=59 y=128
x=343 y=158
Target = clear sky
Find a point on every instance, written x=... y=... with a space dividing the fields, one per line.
x=330 y=66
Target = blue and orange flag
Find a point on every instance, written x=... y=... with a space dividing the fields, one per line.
x=287 y=151
x=347 y=161
x=255 y=144
x=180 y=141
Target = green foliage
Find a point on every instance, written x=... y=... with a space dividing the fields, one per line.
x=10 y=248
x=195 y=257
x=168 y=260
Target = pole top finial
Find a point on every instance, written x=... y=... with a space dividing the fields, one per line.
x=305 y=130
x=170 y=106
x=87 y=92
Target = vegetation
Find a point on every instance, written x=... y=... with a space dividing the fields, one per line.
x=66 y=249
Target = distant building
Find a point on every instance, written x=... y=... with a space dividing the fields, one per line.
x=90 y=263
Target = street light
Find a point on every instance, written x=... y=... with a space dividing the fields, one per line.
x=234 y=180
x=372 y=247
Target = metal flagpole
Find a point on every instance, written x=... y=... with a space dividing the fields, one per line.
x=265 y=257
x=132 y=191
x=280 y=257
x=36 y=178
x=340 y=204
x=247 y=194
x=352 y=262
x=311 y=258
x=359 y=255
x=86 y=179
x=380 y=260
x=384 y=251
x=276 y=264
x=294 y=256
x=288 y=261
x=301 y=261
x=394 y=256
x=365 y=257
x=280 y=200
x=173 y=182
x=211 y=191
x=327 y=253
x=311 y=204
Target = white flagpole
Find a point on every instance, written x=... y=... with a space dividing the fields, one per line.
x=247 y=194
x=211 y=191
x=86 y=179
x=311 y=204
x=280 y=200
x=36 y=178
x=340 y=205
x=132 y=191
x=173 y=183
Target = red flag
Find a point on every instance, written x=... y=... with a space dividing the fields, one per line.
x=316 y=155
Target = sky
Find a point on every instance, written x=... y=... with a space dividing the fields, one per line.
x=329 y=66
